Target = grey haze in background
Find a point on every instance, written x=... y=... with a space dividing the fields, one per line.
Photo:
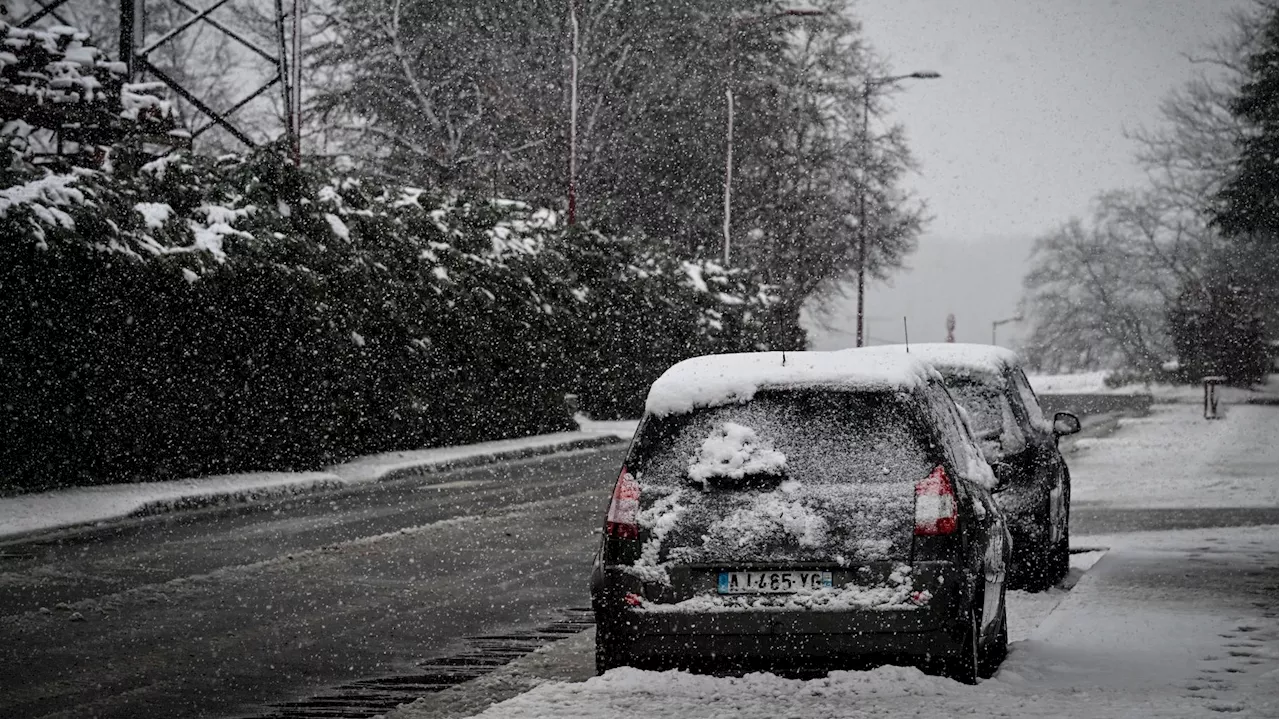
x=1026 y=125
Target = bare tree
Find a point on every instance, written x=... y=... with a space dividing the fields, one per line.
x=1099 y=292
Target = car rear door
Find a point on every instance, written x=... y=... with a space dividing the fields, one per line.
x=792 y=481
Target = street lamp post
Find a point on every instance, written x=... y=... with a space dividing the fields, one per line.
x=1005 y=321
x=867 y=86
x=728 y=92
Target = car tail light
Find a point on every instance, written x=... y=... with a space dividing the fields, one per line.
x=935 y=504
x=624 y=509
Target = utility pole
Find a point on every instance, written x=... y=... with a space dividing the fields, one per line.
x=573 y=112
x=867 y=86
x=1005 y=321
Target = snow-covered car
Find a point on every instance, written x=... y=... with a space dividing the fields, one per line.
x=1034 y=489
x=803 y=511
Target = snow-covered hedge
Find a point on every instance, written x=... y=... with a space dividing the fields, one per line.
x=217 y=315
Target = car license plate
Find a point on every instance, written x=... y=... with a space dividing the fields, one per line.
x=771 y=582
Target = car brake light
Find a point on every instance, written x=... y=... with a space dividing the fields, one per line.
x=624 y=508
x=935 y=504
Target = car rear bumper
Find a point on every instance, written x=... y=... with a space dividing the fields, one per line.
x=772 y=641
x=794 y=637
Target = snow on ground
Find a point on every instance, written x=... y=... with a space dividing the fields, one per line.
x=26 y=513
x=1175 y=458
x=1095 y=383
x=623 y=429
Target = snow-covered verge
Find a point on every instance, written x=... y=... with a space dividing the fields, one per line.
x=1174 y=457
x=45 y=511
x=1096 y=383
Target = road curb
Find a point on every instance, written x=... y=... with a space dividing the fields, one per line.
x=429 y=468
x=236 y=500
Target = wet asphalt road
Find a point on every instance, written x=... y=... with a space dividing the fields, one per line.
x=221 y=613
x=207 y=614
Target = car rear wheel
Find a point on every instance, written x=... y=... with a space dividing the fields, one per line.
x=1037 y=565
x=965 y=663
x=1061 y=561
x=998 y=647
x=608 y=654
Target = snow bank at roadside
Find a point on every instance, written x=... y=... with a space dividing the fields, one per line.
x=82 y=505
x=1095 y=383
x=58 y=509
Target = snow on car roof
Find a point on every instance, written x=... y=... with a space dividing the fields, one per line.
x=952 y=358
x=714 y=380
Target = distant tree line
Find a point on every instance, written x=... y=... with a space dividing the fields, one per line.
x=475 y=94
x=1184 y=268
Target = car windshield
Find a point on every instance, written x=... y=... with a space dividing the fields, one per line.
x=787 y=476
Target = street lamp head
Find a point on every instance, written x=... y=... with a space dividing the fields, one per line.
x=925 y=75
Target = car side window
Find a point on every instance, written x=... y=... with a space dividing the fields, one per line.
x=957 y=439
x=1035 y=415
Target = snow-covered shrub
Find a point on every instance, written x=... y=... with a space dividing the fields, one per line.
x=206 y=315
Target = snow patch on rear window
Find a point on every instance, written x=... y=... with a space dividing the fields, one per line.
x=733 y=450
x=715 y=380
x=768 y=516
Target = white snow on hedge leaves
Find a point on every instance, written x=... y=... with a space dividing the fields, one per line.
x=189 y=276
x=734 y=451
x=338 y=226
x=714 y=380
x=46 y=191
x=154 y=214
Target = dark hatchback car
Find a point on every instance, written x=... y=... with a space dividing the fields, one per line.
x=802 y=511
x=1034 y=487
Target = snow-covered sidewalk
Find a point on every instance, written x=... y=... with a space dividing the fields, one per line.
x=43 y=511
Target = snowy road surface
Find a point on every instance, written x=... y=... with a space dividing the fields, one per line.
x=209 y=615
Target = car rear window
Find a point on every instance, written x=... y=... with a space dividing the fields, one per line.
x=788 y=476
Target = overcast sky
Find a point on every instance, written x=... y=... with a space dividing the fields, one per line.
x=1024 y=127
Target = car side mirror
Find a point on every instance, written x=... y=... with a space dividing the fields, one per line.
x=1065 y=423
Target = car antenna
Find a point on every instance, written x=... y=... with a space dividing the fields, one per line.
x=905 y=341
x=784 y=358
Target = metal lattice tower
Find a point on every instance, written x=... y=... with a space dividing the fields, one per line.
x=138 y=60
